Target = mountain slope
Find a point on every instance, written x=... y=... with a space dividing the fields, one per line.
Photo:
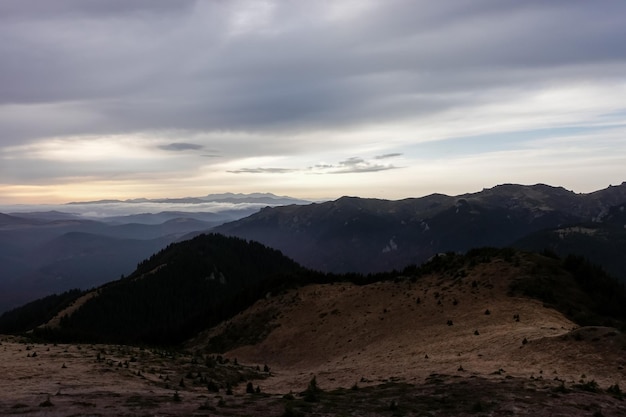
x=602 y=242
x=43 y=253
x=367 y=235
x=179 y=291
x=469 y=318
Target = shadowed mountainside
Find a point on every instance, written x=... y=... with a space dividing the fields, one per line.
x=367 y=235
x=179 y=291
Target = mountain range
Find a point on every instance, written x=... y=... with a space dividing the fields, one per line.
x=369 y=235
x=236 y=198
x=54 y=250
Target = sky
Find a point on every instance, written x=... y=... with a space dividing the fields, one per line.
x=314 y=99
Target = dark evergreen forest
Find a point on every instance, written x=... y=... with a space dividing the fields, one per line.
x=181 y=290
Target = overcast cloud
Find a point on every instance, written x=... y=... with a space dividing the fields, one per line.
x=124 y=99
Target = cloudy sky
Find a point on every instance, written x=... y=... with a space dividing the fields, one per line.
x=316 y=99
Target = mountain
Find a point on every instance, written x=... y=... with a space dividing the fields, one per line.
x=184 y=288
x=52 y=252
x=347 y=235
x=237 y=198
x=8 y=221
x=602 y=242
x=47 y=250
x=490 y=312
x=489 y=331
x=367 y=235
x=164 y=216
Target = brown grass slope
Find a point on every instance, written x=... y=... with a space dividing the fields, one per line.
x=464 y=325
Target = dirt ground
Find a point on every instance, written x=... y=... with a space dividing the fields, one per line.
x=70 y=380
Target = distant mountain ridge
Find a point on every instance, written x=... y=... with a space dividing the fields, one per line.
x=350 y=234
x=237 y=198
x=48 y=250
x=354 y=234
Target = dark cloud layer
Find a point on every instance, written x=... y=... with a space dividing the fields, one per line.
x=262 y=171
x=181 y=146
x=359 y=165
x=306 y=81
x=146 y=65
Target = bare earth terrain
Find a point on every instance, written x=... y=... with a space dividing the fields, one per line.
x=431 y=347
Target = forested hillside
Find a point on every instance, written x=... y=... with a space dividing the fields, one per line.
x=181 y=290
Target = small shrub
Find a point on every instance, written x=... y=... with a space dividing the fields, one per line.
x=615 y=391
x=206 y=406
x=291 y=412
x=590 y=386
x=312 y=393
x=393 y=405
x=478 y=407
x=46 y=403
x=561 y=388
x=212 y=386
x=249 y=388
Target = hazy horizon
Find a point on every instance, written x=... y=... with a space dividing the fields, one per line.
x=104 y=208
x=315 y=100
